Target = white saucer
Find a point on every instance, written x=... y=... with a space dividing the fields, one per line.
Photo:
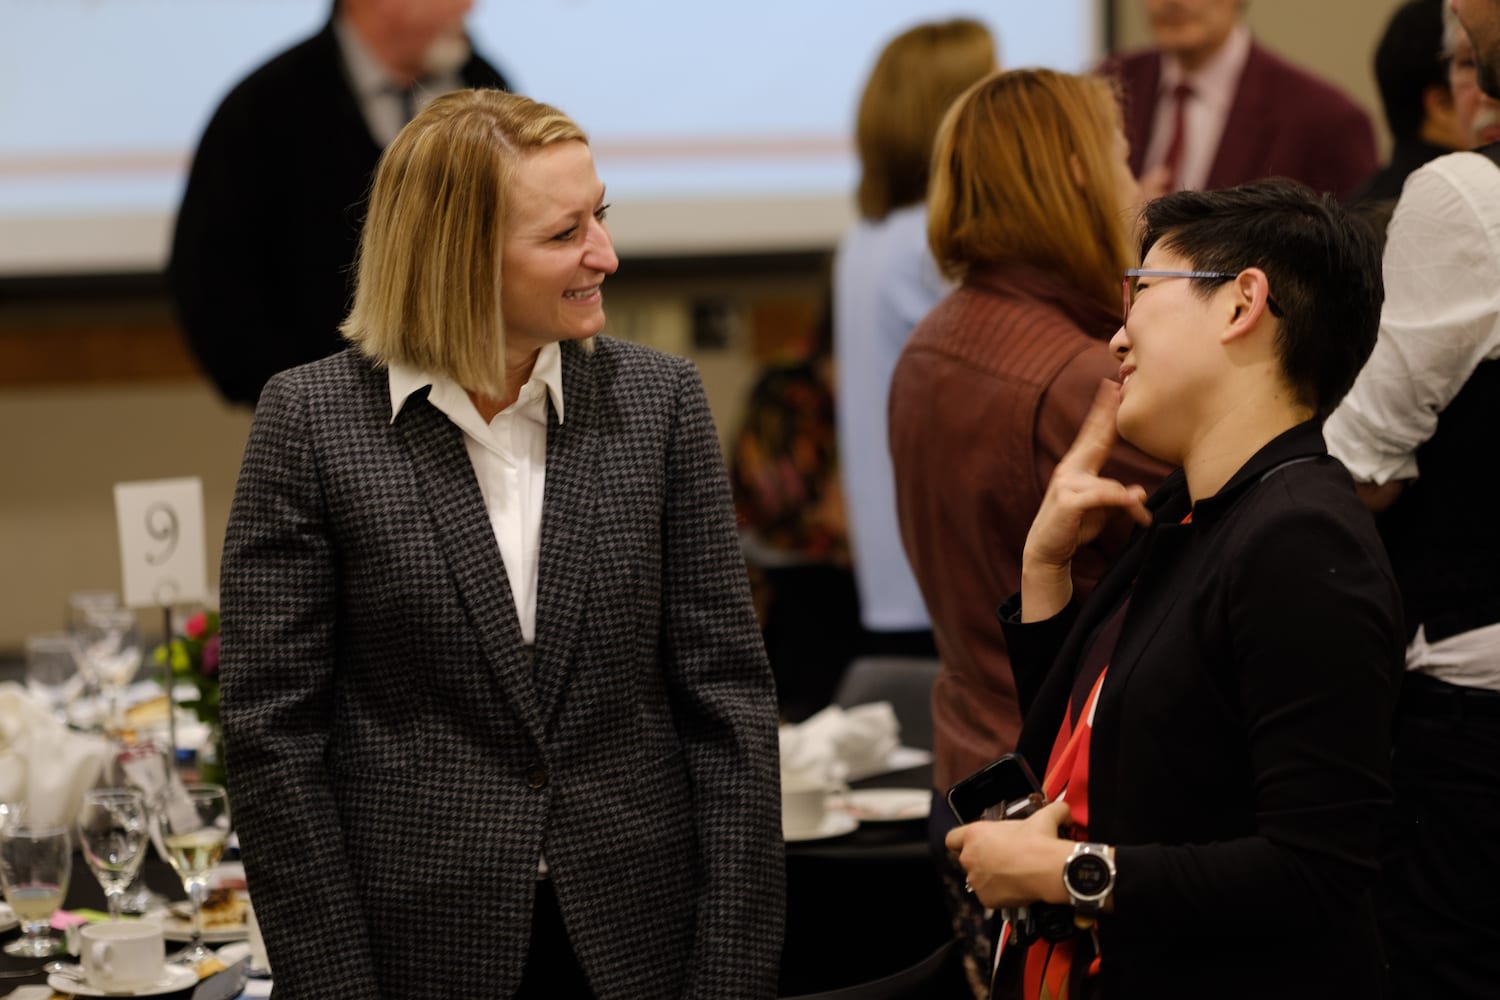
x=835 y=824
x=7 y=918
x=174 y=978
x=888 y=805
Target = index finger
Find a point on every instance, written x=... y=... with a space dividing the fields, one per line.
x=1097 y=434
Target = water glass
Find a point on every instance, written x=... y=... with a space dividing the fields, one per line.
x=52 y=671
x=112 y=832
x=34 y=868
x=112 y=647
x=147 y=766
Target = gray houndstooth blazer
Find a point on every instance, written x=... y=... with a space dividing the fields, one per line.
x=396 y=763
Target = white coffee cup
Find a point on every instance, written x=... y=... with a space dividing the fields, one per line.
x=124 y=955
x=804 y=804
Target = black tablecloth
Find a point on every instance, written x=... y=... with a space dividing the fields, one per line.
x=865 y=905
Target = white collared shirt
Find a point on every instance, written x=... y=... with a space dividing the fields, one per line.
x=509 y=455
x=1206 y=113
x=1440 y=321
x=379 y=97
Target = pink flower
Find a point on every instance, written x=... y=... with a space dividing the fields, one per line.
x=196 y=625
x=211 y=657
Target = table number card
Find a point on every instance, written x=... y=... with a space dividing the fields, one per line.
x=161 y=541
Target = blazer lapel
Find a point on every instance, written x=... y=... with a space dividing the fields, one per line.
x=1244 y=138
x=446 y=478
x=567 y=526
x=1149 y=604
x=1141 y=85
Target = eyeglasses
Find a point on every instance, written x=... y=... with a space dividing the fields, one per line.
x=1138 y=272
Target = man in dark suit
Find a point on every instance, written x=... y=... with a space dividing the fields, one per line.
x=1212 y=108
x=1415 y=432
x=266 y=234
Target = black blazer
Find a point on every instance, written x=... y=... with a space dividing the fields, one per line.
x=261 y=266
x=1240 y=749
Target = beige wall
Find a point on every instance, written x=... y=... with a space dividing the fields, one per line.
x=65 y=449
x=66 y=446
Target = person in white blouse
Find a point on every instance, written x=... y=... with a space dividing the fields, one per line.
x=884 y=282
x=497 y=715
x=1417 y=433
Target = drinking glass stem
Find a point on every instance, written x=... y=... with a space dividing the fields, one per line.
x=197 y=891
x=114 y=898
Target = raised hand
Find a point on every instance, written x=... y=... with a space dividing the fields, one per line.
x=1074 y=510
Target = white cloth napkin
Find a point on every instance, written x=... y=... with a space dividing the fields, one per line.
x=44 y=765
x=839 y=744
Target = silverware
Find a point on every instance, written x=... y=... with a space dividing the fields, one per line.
x=74 y=974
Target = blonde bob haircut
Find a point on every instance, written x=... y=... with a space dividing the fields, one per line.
x=1024 y=172
x=917 y=76
x=427 y=278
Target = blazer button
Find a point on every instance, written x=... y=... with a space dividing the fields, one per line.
x=536 y=776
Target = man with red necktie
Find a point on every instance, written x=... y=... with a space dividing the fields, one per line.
x=1210 y=107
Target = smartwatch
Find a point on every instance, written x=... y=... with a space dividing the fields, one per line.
x=1089 y=876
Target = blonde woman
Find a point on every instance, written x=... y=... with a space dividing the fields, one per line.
x=498 y=718
x=1028 y=211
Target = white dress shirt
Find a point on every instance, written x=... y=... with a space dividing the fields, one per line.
x=884 y=282
x=1205 y=114
x=1441 y=319
x=379 y=98
x=509 y=455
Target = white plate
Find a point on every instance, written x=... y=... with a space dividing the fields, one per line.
x=835 y=824
x=7 y=918
x=899 y=759
x=888 y=805
x=174 y=978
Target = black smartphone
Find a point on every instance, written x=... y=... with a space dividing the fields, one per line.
x=1001 y=789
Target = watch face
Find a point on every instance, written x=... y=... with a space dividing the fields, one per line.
x=1088 y=875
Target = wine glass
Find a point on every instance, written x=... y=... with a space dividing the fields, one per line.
x=144 y=765
x=112 y=830
x=81 y=604
x=112 y=647
x=189 y=827
x=52 y=671
x=34 y=867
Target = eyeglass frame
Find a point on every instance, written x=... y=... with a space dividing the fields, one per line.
x=1132 y=273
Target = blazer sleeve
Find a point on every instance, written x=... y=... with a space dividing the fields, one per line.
x=724 y=708
x=278 y=600
x=1314 y=647
x=1034 y=646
